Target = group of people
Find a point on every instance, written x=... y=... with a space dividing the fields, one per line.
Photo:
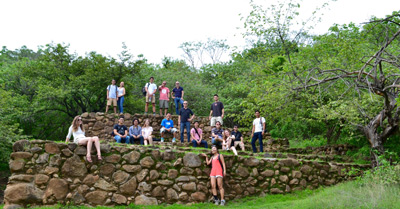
x=122 y=134
x=143 y=134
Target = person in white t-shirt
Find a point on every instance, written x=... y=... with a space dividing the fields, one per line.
x=258 y=131
x=112 y=96
x=78 y=132
x=147 y=130
x=151 y=89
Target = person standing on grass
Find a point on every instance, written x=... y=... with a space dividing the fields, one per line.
x=217 y=111
x=121 y=132
x=164 y=97
x=197 y=136
x=226 y=144
x=167 y=125
x=147 y=130
x=78 y=132
x=121 y=94
x=177 y=96
x=151 y=89
x=218 y=171
x=135 y=132
x=237 y=137
x=112 y=96
x=184 y=120
x=258 y=131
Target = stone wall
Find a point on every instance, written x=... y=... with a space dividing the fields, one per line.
x=101 y=125
x=48 y=173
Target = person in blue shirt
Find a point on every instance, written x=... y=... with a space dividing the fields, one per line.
x=135 y=132
x=184 y=120
x=121 y=132
x=177 y=95
x=167 y=125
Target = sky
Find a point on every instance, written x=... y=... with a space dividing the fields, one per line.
x=154 y=28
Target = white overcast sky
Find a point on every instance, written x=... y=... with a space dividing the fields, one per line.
x=154 y=28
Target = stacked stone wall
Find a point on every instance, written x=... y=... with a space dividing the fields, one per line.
x=48 y=173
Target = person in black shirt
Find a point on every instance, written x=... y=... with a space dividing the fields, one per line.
x=121 y=132
x=217 y=111
x=238 y=138
x=184 y=120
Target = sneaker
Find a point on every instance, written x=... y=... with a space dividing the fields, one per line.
x=222 y=202
x=162 y=139
x=145 y=113
x=154 y=114
x=173 y=140
x=216 y=202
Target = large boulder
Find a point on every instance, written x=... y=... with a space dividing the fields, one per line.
x=132 y=157
x=242 y=171
x=104 y=185
x=52 y=148
x=57 y=188
x=147 y=162
x=74 y=167
x=191 y=160
x=144 y=200
x=96 y=197
x=199 y=196
x=22 y=194
x=129 y=187
x=120 y=177
x=251 y=162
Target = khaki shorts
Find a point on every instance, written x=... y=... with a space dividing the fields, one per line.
x=153 y=99
x=113 y=101
x=164 y=104
x=214 y=120
x=236 y=143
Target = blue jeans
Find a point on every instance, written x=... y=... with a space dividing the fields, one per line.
x=253 y=141
x=120 y=103
x=141 y=139
x=202 y=143
x=215 y=142
x=178 y=101
x=122 y=139
x=187 y=124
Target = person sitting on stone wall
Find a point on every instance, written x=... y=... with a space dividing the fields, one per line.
x=197 y=136
x=218 y=171
x=135 y=132
x=237 y=138
x=147 y=130
x=78 y=132
x=121 y=132
x=226 y=144
x=167 y=125
x=216 y=134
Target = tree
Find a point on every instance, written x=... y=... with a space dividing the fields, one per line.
x=378 y=78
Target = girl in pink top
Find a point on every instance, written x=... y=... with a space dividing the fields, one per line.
x=218 y=171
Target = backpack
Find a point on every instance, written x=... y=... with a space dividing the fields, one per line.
x=144 y=89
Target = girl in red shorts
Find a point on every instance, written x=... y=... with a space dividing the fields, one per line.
x=218 y=171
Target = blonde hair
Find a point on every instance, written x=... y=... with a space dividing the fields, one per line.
x=144 y=123
x=225 y=136
x=75 y=124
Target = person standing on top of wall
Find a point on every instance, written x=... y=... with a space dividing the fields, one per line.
x=121 y=132
x=218 y=171
x=112 y=96
x=164 y=97
x=121 y=94
x=258 y=131
x=167 y=125
x=177 y=95
x=151 y=89
x=217 y=111
x=184 y=120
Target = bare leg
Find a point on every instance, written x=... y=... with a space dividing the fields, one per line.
x=88 y=142
x=150 y=140
x=146 y=107
x=107 y=108
x=154 y=107
x=160 y=111
x=234 y=150
x=165 y=111
x=115 y=110
x=214 y=186
x=97 y=145
x=221 y=188
x=242 y=145
x=145 y=141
